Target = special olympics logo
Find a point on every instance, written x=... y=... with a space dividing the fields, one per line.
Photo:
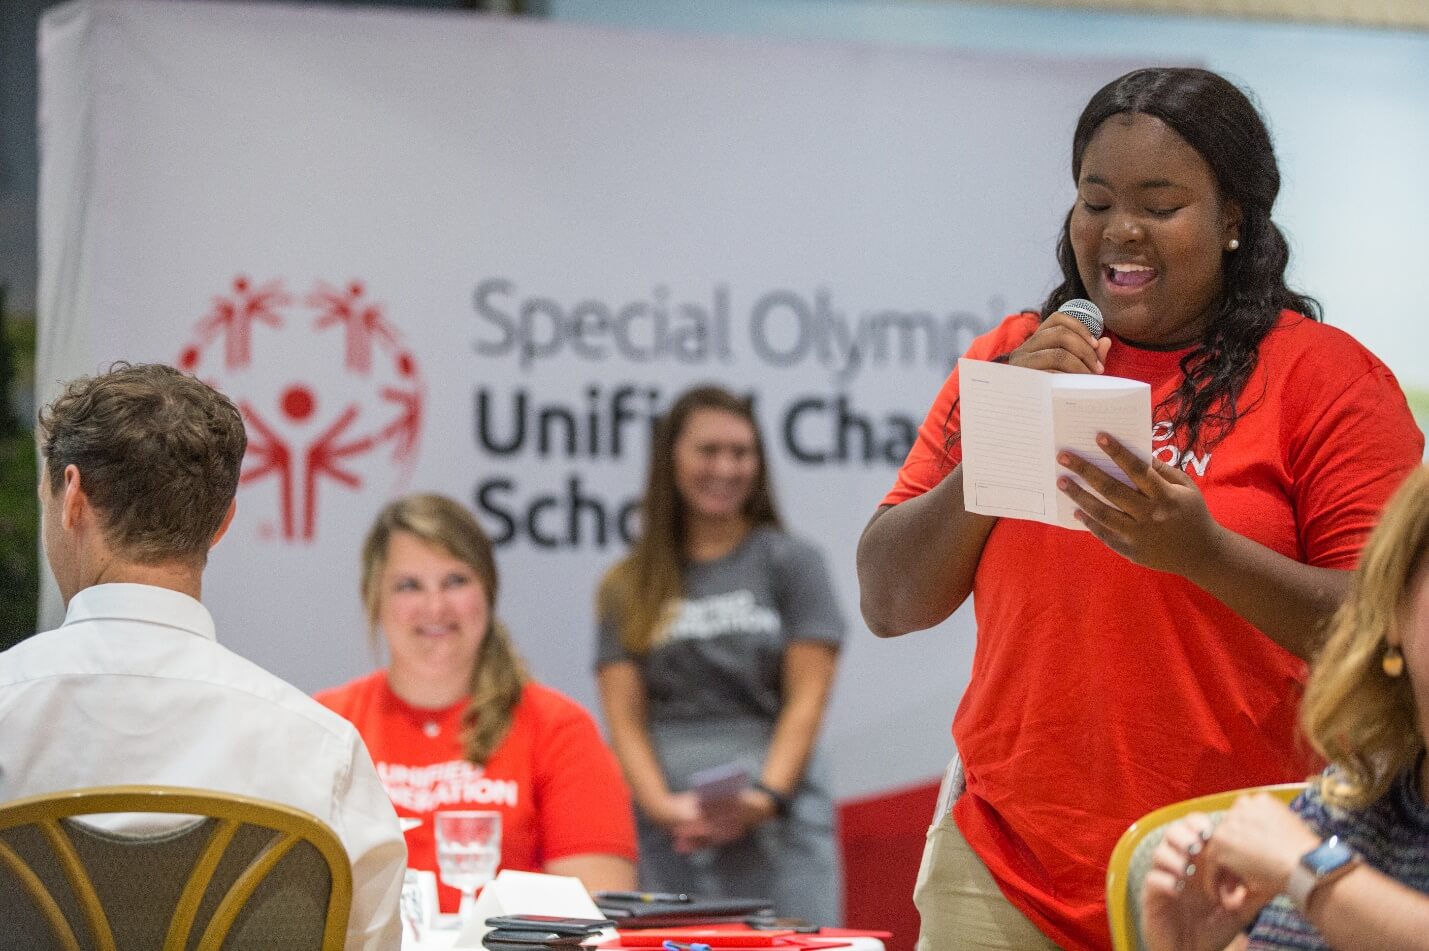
x=328 y=391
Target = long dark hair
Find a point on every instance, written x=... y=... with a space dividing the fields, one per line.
x=1220 y=122
x=639 y=591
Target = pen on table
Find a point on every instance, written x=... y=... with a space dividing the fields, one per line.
x=644 y=896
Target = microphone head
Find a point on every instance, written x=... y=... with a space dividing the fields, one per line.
x=1086 y=313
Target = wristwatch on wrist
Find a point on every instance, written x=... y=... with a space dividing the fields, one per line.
x=1324 y=863
x=780 y=800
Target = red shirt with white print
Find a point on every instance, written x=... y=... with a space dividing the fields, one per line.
x=556 y=784
x=1102 y=690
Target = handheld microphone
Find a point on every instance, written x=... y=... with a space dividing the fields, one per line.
x=1086 y=313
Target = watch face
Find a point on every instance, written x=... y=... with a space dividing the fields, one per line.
x=1328 y=856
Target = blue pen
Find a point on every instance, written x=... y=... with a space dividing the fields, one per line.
x=677 y=946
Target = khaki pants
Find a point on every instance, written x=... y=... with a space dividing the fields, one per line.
x=961 y=906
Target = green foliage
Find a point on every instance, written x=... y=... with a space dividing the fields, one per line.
x=19 y=537
x=19 y=506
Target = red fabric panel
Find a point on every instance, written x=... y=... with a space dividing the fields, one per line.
x=882 y=839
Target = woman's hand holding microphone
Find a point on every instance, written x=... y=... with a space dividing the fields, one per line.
x=1062 y=344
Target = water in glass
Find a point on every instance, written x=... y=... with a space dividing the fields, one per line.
x=467 y=867
x=468 y=850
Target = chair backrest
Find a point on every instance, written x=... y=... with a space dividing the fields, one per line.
x=1131 y=859
x=227 y=871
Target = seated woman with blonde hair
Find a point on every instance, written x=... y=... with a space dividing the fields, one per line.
x=454 y=722
x=1347 y=864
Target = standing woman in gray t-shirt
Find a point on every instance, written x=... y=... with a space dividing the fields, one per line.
x=719 y=634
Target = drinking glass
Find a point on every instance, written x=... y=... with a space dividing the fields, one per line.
x=468 y=851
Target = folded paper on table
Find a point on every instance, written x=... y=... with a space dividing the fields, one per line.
x=1015 y=421
x=527 y=893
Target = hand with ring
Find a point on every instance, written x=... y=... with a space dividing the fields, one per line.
x=1260 y=840
x=1193 y=850
x=1181 y=901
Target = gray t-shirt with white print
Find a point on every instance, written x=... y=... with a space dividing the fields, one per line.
x=722 y=655
x=714 y=691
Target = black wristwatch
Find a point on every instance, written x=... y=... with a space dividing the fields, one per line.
x=781 y=801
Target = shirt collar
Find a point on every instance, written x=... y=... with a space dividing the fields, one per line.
x=141 y=602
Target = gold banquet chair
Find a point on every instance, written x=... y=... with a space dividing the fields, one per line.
x=236 y=873
x=1131 y=859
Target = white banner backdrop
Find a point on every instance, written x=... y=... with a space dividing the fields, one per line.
x=450 y=253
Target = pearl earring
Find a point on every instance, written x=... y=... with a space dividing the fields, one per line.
x=1232 y=244
x=1393 y=662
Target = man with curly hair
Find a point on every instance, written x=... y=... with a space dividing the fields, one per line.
x=140 y=468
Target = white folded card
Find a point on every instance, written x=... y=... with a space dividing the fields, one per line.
x=1015 y=421
x=527 y=893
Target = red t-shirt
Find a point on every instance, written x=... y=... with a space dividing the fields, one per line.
x=557 y=786
x=1102 y=690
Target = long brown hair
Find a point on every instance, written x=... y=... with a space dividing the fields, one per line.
x=639 y=592
x=498 y=676
x=1355 y=715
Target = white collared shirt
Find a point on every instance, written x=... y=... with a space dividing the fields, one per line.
x=133 y=688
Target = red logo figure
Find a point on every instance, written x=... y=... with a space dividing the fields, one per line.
x=371 y=386
x=234 y=317
x=362 y=322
